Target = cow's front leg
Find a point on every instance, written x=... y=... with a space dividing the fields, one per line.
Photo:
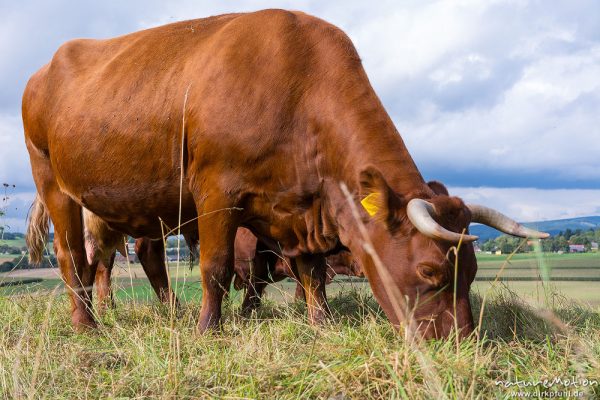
x=217 y=233
x=312 y=271
x=151 y=254
x=261 y=273
x=299 y=293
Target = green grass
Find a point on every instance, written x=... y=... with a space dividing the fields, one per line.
x=529 y=260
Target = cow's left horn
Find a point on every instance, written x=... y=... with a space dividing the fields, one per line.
x=420 y=213
x=495 y=219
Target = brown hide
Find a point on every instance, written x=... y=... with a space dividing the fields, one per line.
x=273 y=110
x=250 y=273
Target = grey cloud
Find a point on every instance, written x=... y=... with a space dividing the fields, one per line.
x=14 y=161
x=15 y=204
x=530 y=204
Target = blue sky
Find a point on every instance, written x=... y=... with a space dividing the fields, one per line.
x=498 y=99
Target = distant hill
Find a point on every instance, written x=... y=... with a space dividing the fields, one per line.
x=553 y=227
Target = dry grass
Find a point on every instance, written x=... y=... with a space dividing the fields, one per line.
x=276 y=354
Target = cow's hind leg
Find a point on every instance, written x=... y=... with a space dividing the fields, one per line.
x=68 y=241
x=68 y=247
x=103 y=283
x=312 y=273
x=152 y=257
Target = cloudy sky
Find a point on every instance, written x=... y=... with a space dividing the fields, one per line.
x=498 y=99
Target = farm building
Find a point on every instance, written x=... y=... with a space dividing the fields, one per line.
x=576 y=248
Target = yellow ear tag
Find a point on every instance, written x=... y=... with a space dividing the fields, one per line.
x=371 y=203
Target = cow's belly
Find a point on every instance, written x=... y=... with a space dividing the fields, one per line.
x=142 y=210
x=132 y=189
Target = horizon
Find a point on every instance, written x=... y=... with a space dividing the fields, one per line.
x=6 y=228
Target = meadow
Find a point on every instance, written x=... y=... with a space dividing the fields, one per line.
x=13 y=242
x=527 y=331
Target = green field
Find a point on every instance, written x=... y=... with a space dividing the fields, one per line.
x=576 y=276
x=14 y=242
x=530 y=260
x=18 y=243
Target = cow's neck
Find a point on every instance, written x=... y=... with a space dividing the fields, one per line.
x=371 y=140
x=349 y=132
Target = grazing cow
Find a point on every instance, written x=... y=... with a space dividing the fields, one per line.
x=101 y=244
x=256 y=266
x=247 y=120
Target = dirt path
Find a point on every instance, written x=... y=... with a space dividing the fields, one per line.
x=54 y=273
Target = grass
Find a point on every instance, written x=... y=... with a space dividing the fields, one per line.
x=275 y=354
x=530 y=260
x=140 y=351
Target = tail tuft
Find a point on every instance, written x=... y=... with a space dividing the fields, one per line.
x=38 y=231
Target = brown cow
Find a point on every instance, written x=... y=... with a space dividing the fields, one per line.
x=256 y=266
x=260 y=116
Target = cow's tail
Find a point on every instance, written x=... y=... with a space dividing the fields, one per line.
x=38 y=231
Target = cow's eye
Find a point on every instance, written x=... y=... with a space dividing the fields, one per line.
x=427 y=271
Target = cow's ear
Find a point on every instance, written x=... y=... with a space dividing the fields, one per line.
x=438 y=188
x=377 y=198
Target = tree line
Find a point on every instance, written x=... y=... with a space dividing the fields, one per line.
x=22 y=262
x=556 y=243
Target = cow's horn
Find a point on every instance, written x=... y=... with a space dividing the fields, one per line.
x=495 y=219
x=420 y=213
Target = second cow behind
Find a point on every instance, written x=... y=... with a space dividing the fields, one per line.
x=255 y=265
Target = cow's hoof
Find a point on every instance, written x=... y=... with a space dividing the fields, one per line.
x=248 y=307
x=104 y=306
x=83 y=322
x=208 y=325
x=320 y=316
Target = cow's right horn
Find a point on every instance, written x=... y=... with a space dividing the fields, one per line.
x=420 y=213
x=495 y=219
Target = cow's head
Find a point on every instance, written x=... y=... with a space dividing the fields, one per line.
x=415 y=237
